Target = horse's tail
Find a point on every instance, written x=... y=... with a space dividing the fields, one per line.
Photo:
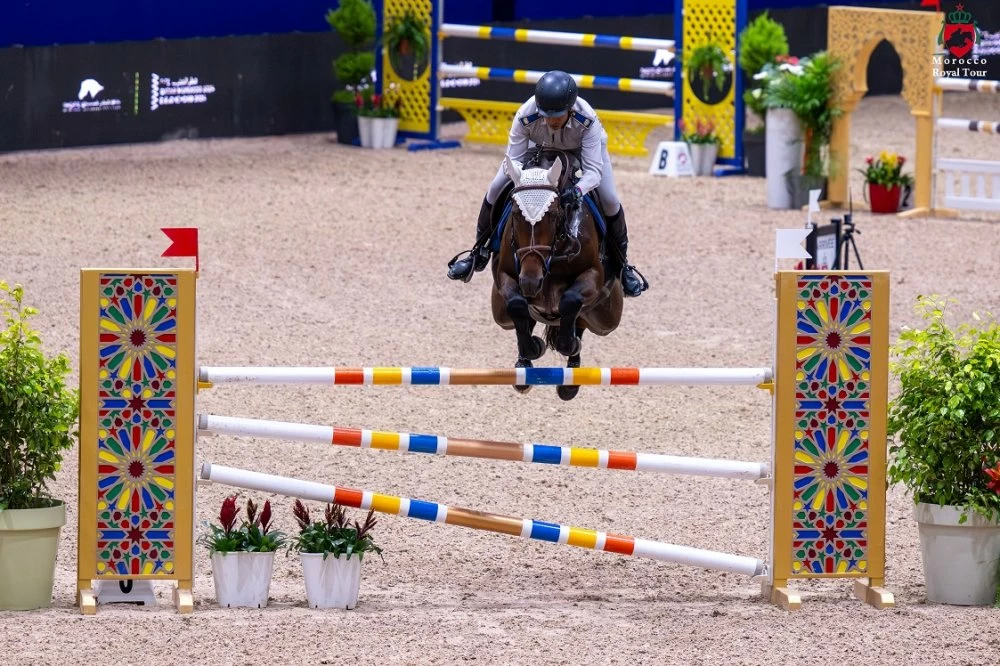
x=551 y=333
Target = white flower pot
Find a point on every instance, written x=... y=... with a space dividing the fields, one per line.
x=783 y=147
x=703 y=157
x=365 y=131
x=960 y=561
x=384 y=132
x=242 y=579
x=332 y=582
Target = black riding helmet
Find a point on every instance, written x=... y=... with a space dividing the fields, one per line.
x=555 y=93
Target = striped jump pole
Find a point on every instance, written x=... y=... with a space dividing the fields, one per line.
x=439 y=376
x=985 y=126
x=552 y=37
x=967 y=85
x=478 y=520
x=473 y=448
x=532 y=76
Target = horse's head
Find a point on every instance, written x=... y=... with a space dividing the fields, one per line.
x=535 y=217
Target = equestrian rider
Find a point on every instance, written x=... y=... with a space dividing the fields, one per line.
x=556 y=117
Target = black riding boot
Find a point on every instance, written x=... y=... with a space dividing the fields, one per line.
x=618 y=234
x=480 y=255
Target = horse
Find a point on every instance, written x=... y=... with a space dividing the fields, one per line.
x=549 y=266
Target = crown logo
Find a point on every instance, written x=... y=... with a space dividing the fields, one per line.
x=959 y=16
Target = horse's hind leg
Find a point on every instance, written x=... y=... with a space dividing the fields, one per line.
x=569 y=392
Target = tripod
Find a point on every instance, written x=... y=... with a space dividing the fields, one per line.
x=847 y=240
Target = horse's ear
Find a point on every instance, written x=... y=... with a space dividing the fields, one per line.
x=554 y=172
x=513 y=169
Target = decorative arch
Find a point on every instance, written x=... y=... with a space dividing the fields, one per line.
x=853 y=33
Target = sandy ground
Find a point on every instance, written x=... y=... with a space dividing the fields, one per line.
x=307 y=261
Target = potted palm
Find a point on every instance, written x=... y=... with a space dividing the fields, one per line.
x=242 y=557
x=354 y=21
x=407 y=39
x=806 y=90
x=38 y=412
x=331 y=552
x=887 y=188
x=947 y=419
x=761 y=43
x=703 y=144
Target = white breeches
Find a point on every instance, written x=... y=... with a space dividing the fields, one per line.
x=610 y=203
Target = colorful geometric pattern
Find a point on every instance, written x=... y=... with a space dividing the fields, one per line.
x=832 y=422
x=136 y=424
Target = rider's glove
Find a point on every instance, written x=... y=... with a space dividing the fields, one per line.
x=570 y=195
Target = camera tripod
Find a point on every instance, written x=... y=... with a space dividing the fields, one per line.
x=847 y=238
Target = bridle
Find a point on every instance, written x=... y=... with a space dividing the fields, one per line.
x=545 y=253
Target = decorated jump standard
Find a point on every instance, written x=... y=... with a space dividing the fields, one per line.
x=139 y=379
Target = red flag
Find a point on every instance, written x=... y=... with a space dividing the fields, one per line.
x=185 y=243
x=936 y=4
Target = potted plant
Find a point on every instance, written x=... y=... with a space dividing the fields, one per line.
x=354 y=21
x=378 y=119
x=947 y=419
x=761 y=42
x=38 y=412
x=703 y=144
x=806 y=90
x=708 y=63
x=331 y=552
x=407 y=39
x=885 y=182
x=242 y=557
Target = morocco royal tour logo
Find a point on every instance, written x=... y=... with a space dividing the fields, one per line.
x=959 y=32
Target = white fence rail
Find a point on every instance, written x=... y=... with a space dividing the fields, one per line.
x=959 y=176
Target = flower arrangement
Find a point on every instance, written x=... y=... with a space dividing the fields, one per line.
x=335 y=535
x=947 y=414
x=254 y=535
x=702 y=132
x=373 y=105
x=886 y=170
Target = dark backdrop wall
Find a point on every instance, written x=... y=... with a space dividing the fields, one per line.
x=150 y=89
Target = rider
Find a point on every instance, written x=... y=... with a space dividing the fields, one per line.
x=556 y=117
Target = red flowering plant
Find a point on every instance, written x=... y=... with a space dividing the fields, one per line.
x=254 y=534
x=886 y=170
x=703 y=131
x=334 y=535
x=947 y=413
x=373 y=105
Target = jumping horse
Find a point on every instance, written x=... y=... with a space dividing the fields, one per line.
x=550 y=266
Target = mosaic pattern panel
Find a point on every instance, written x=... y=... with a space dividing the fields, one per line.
x=136 y=447
x=832 y=422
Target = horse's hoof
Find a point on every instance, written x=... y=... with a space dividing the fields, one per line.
x=520 y=388
x=567 y=392
x=536 y=352
x=572 y=350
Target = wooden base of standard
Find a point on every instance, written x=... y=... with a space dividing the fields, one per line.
x=874 y=594
x=87 y=602
x=784 y=597
x=183 y=599
x=929 y=212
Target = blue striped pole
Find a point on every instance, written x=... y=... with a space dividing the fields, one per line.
x=553 y=37
x=532 y=76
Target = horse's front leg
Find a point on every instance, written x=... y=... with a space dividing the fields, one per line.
x=582 y=293
x=529 y=347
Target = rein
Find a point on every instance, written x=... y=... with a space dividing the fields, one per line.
x=538 y=249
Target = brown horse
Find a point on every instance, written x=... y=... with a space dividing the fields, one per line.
x=549 y=267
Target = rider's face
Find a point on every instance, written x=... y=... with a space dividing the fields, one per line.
x=556 y=123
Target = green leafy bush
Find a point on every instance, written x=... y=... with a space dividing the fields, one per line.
x=761 y=42
x=355 y=22
x=947 y=414
x=37 y=409
x=335 y=536
x=254 y=535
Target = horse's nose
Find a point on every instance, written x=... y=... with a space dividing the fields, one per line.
x=530 y=285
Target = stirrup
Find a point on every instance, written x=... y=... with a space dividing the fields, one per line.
x=645 y=282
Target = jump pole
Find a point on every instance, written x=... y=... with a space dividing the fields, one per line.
x=139 y=378
x=570 y=456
